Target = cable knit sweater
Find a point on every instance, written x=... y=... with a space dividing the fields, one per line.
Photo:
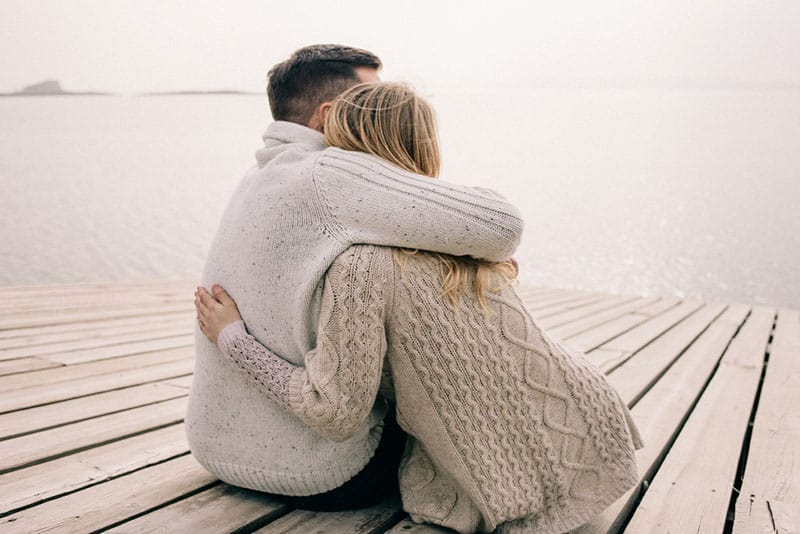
x=509 y=428
x=290 y=216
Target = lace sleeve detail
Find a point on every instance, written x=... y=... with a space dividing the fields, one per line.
x=270 y=372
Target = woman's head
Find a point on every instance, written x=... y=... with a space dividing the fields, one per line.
x=390 y=121
x=387 y=120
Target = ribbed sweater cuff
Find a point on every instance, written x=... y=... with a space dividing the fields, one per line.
x=229 y=334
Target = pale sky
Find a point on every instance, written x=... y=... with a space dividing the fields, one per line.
x=131 y=46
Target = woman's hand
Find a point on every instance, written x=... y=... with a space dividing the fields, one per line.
x=214 y=312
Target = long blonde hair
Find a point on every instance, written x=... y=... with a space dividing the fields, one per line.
x=390 y=121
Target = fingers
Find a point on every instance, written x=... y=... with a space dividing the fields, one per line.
x=205 y=300
x=221 y=295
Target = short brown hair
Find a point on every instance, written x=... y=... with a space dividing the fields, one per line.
x=313 y=75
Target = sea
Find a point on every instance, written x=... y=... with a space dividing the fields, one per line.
x=686 y=192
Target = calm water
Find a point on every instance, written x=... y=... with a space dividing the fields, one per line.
x=693 y=193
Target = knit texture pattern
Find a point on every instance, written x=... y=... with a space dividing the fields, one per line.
x=268 y=371
x=290 y=216
x=334 y=392
x=510 y=429
x=538 y=433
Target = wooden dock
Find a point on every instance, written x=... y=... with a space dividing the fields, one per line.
x=94 y=381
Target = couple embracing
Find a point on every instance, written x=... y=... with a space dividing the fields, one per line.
x=359 y=331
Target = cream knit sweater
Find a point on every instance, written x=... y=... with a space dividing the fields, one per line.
x=509 y=428
x=290 y=216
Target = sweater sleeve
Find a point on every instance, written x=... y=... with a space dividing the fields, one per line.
x=367 y=200
x=336 y=390
x=334 y=393
x=268 y=370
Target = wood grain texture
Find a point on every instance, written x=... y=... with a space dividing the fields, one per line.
x=50 y=479
x=660 y=413
x=693 y=486
x=37 y=446
x=221 y=508
x=94 y=381
x=82 y=408
x=116 y=500
x=373 y=520
x=769 y=500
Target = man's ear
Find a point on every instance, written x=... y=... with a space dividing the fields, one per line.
x=324 y=110
x=317 y=121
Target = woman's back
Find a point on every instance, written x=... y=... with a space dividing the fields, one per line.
x=522 y=426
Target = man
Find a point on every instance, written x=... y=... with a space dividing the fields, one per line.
x=291 y=215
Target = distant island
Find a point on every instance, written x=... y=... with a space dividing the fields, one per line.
x=53 y=88
x=50 y=88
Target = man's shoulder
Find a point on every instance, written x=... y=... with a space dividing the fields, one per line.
x=353 y=162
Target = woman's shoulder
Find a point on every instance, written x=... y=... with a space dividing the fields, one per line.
x=363 y=260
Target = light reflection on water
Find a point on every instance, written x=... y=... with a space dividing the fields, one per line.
x=692 y=193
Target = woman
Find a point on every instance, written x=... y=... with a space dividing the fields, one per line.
x=507 y=428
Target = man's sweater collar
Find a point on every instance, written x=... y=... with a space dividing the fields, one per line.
x=281 y=133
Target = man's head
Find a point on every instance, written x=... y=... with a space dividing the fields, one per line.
x=301 y=88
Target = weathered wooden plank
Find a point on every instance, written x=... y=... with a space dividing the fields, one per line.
x=633 y=330
x=222 y=508
x=92 y=342
x=659 y=306
x=105 y=504
x=640 y=336
x=607 y=359
x=46 y=393
x=408 y=526
x=555 y=309
x=692 y=488
x=31 y=448
x=578 y=326
x=66 y=295
x=525 y=292
x=42 y=481
x=604 y=303
x=114 y=351
x=101 y=302
x=637 y=373
x=551 y=302
x=30 y=319
x=769 y=500
x=373 y=520
x=94 y=368
x=21 y=365
x=81 y=408
x=661 y=411
x=83 y=287
x=67 y=332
